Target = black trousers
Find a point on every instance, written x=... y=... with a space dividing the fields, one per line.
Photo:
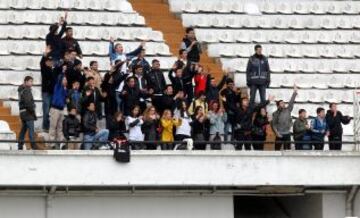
x=258 y=145
x=262 y=92
x=318 y=143
x=335 y=142
x=241 y=136
x=285 y=141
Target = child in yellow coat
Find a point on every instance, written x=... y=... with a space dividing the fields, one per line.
x=167 y=123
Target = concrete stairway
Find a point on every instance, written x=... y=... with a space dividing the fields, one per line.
x=158 y=16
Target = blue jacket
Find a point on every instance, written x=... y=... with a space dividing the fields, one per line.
x=114 y=55
x=60 y=93
x=318 y=127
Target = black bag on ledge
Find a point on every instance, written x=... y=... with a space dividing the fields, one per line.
x=122 y=151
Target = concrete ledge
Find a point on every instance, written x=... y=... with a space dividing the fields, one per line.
x=180 y=168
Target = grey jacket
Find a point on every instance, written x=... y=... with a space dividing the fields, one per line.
x=282 y=122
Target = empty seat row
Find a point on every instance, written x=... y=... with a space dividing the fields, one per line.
x=83 y=33
x=80 y=18
x=268 y=7
x=300 y=65
x=271 y=21
x=11 y=62
x=278 y=36
x=88 y=47
x=111 y=5
x=286 y=50
x=310 y=81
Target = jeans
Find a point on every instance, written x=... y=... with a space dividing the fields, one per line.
x=119 y=102
x=27 y=125
x=101 y=136
x=335 y=142
x=46 y=97
x=262 y=92
x=245 y=138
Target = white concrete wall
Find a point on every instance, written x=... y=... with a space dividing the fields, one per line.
x=179 y=168
x=115 y=207
x=334 y=205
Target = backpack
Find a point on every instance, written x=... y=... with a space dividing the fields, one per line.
x=122 y=151
x=216 y=146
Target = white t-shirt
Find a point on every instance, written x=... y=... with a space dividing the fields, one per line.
x=184 y=128
x=135 y=133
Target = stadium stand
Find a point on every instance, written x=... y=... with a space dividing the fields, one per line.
x=310 y=43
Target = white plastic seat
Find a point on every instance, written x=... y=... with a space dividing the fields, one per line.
x=317 y=8
x=286 y=81
x=4 y=49
x=323 y=67
x=344 y=23
x=279 y=23
x=276 y=52
x=139 y=20
x=343 y=52
x=237 y=7
x=291 y=66
x=354 y=37
x=347 y=97
x=332 y=96
x=251 y=9
x=268 y=8
x=233 y=22
x=293 y=51
x=95 y=5
x=336 y=82
x=306 y=67
x=314 y=97
x=284 y=8
x=292 y=37
x=350 y=8
x=311 y=23
x=227 y=52
x=4 y=4
x=163 y=49
x=80 y=5
x=275 y=37
x=259 y=37
x=156 y=36
x=341 y=38
x=303 y=81
x=4 y=127
x=355 y=22
x=276 y=66
x=301 y=8
x=310 y=51
x=33 y=4
x=125 y=6
x=302 y=96
x=221 y=7
x=244 y=52
x=340 y=67
x=333 y=8
x=349 y=82
x=190 y=7
x=210 y=37
x=320 y=81
x=218 y=22
x=264 y=23
x=243 y=37
x=327 y=52
x=14 y=33
x=323 y=37
x=17 y=4
x=249 y=22
x=295 y=23
x=226 y=37
x=307 y=37
x=328 y=23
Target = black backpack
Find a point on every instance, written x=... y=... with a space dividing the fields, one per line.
x=122 y=151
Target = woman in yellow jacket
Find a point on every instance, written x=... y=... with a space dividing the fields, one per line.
x=167 y=124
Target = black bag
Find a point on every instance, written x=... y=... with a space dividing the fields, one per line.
x=122 y=151
x=216 y=146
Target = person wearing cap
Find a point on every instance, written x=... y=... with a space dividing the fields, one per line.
x=48 y=79
x=258 y=74
x=71 y=43
x=281 y=122
x=53 y=39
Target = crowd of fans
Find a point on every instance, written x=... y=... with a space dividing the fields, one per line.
x=137 y=103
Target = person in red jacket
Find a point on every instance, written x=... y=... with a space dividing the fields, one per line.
x=200 y=80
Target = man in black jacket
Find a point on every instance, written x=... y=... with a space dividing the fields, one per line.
x=156 y=81
x=213 y=89
x=53 y=39
x=27 y=112
x=70 y=43
x=92 y=94
x=48 y=80
x=131 y=95
x=91 y=132
x=191 y=46
x=243 y=122
x=71 y=129
x=230 y=100
x=75 y=73
x=334 y=119
x=258 y=75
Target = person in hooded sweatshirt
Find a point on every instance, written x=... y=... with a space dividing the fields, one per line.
x=27 y=112
x=58 y=104
x=258 y=75
x=334 y=120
